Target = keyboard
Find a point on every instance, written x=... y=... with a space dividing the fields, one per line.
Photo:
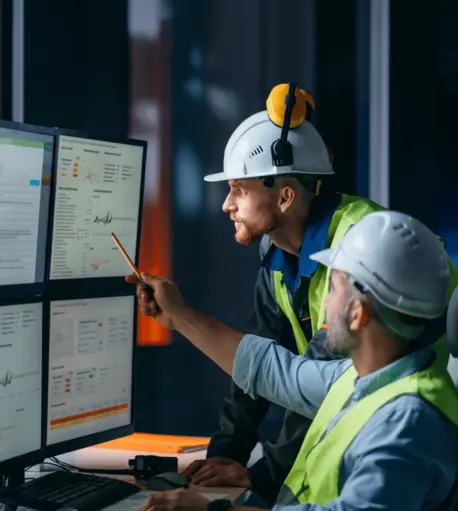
x=58 y=490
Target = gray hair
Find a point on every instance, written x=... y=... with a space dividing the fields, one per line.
x=399 y=328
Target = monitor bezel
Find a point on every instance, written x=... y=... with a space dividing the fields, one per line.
x=21 y=462
x=111 y=284
x=91 y=440
x=34 y=289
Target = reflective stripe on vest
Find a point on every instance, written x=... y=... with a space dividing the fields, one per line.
x=312 y=481
x=350 y=210
x=282 y=297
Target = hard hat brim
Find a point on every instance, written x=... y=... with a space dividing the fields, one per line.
x=214 y=178
x=324 y=257
x=221 y=176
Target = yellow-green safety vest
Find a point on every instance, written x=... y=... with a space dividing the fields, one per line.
x=312 y=481
x=350 y=211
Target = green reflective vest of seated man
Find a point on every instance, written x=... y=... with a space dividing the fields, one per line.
x=385 y=415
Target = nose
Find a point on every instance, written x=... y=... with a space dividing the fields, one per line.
x=229 y=204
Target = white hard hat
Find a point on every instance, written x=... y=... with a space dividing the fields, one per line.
x=452 y=324
x=248 y=151
x=397 y=259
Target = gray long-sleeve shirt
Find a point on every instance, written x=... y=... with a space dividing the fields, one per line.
x=405 y=457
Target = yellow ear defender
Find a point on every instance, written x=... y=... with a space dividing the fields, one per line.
x=303 y=107
x=288 y=107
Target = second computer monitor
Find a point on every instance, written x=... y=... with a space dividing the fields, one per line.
x=91 y=345
x=98 y=190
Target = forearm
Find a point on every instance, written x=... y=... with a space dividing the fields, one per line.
x=216 y=340
x=263 y=368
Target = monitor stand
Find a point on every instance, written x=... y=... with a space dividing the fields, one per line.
x=16 y=478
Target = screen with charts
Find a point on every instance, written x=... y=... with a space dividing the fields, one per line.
x=26 y=160
x=90 y=366
x=98 y=186
x=20 y=379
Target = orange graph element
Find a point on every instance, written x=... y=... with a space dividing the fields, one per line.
x=101 y=413
x=95 y=266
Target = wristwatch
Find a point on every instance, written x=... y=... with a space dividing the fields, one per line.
x=219 y=505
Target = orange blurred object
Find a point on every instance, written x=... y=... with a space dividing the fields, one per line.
x=146 y=442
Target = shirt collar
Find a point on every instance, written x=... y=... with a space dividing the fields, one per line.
x=314 y=240
x=405 y=366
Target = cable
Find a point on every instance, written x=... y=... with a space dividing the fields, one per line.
x=58 y=465
x=59 y=462
x=71 y=467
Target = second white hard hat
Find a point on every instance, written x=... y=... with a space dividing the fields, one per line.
x=397 y=259
x=248 y=151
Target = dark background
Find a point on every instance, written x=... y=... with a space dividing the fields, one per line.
x=224 y=57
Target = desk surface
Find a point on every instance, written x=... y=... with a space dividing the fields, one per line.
x=111 y=459
x=108 y=458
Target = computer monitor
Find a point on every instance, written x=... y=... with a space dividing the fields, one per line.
x=98 y=190
x=21 y=413
x=90 y=386
x=26 y=162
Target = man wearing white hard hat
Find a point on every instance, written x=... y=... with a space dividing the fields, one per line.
x=280 y=177
x=385 y=419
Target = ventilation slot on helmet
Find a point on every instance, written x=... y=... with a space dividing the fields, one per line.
x=256 y=151
x=407 y=234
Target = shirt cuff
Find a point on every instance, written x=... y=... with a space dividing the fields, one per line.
x=226 y=450
x=247 y=361
x=262 y=483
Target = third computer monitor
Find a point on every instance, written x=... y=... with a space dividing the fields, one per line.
x=20 y=385
x=98 y=190
x=91 y=349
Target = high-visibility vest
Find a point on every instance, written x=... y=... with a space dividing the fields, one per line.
x=314 y=477
x=350 y=211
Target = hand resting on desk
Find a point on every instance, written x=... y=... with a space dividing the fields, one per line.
x=218 y=471
x=177 y=500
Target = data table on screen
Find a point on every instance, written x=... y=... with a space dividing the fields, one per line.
x=25 y=175
x=98 y=186
x=90 y=366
